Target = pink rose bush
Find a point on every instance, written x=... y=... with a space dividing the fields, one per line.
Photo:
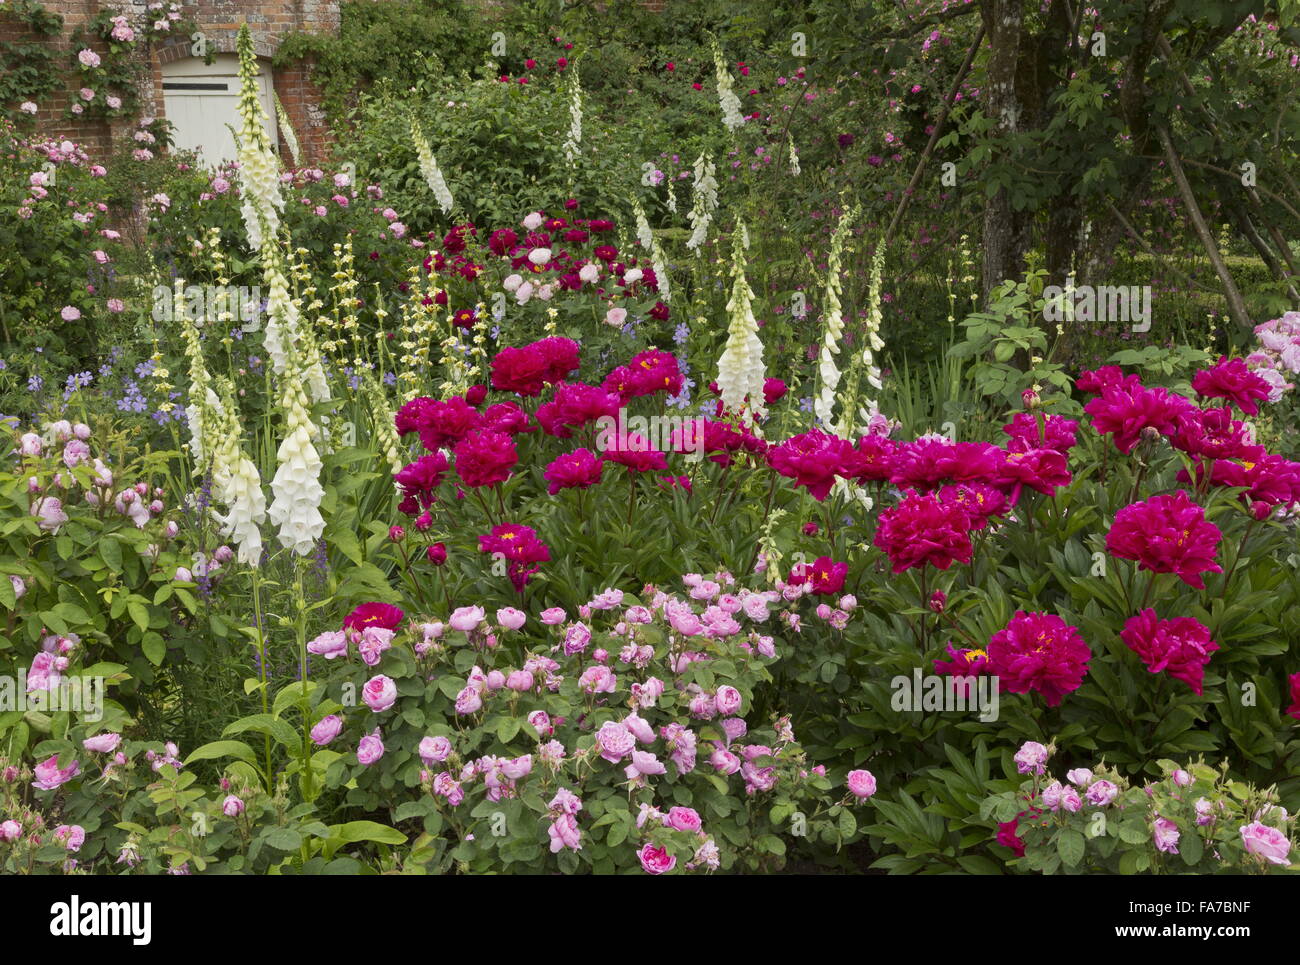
x=1096 y=821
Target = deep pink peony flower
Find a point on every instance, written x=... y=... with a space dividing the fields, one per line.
x=1232 y=380
x=1124 y=411
x=1167 y=534
x=1294 y=709
x=1181 y=646
x=925 y=463
x=1100 y=379
x=520 y=370
x=574 y=405
x=559 y=355
x=1056 y=433
x=485 y=458
x=1039 y=651
x=501 y=241
x=516 y=543
x=812 y=460
x=963 y=663
x=1273 y=480
x=1214 y=434
x=447 y=423
x=1008 y=836
x=382 y=615
x=648 y=372
x=924 y=529
x=826 y=576
x=774 y=390
x=872 y=460
x=637 y=455
x=577 y=469
x=507 y=417
x=1040 y=469
x=422 y=477
x=980 y=500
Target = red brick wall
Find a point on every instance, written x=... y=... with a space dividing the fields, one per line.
x=269 y=22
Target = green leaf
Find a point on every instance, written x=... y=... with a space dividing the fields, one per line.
x=218 y=749
x=1070 y=846
x=365 y=831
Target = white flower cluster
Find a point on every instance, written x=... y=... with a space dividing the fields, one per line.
x=704 y=202
x=648 y=241
x=215 y=445
x=732 y=118
x=828 y=373
x=431 y=172
x=286 y=130
x=740 y=368
x=573 y=143
x=259 y=169
x=236 y=483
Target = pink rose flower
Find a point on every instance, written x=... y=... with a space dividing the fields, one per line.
x=683 y=819
x=326 y=730
x=862 y=784
x=379 y=693
x=370 y=749
x=656 y=861
x=1268 y=843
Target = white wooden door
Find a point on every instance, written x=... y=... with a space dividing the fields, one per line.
x=202 y=99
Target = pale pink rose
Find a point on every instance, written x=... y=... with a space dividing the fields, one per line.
x=1070 y=800
x=232 y=806
x=644 y=764
x=518 y=768
x=735 y=728
x=435 y=750
x=1031 y=757
x=466 y=618
x=102 y=743
x=49 y=512
x=723 y=761
x=615 y=317
x=597 y=680
x=519 y=681
x=640 y=729
x=1182 y=778
x=615 y=741
x=30 y=444
x=326 y=729
x=1165 y=834
x=71 y=836
x=379 y=693
x=1079 y=777
x=468 y=701
x=49 y=776
x=330 y=644
x=540 y=721
x=1269 y=843
x=683 y=819
x=374 y=641
x=862 y=784
x=1101 y=793
x=728 y=700
x=564 y=833
x=10 y=831
x=370 y=749
x=576 y=639
x=552 y=616
x=510 y=618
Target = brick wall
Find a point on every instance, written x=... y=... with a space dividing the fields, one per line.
x=269 y=21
